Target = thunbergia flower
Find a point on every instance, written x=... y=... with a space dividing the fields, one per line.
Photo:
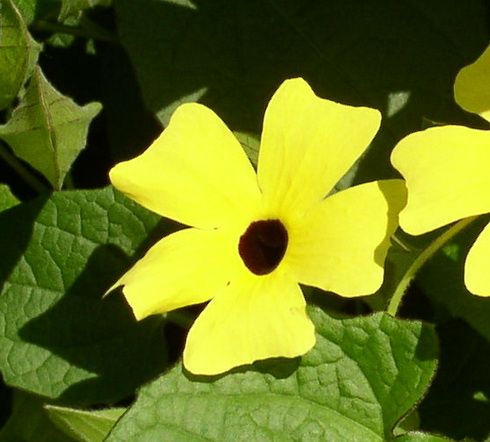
x=254 y=237
x=446 y=170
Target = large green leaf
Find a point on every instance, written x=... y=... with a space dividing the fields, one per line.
x=363 y=375
x=47 y=129
x=58 y=337
x=18 y=52
x=399 y=57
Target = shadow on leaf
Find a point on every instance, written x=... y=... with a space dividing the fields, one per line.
x=99 y=336
x=19 y=219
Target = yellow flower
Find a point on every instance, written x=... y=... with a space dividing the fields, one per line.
x=472 y=86
x=255 y=236
x=447 y=173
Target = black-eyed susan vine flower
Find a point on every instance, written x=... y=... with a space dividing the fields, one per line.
x=254 y=237
x=446 y=169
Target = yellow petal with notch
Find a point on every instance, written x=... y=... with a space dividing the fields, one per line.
x=195 y=172
x=342 y=244
x=308 y=144
x=446 y=172
x=255 y=318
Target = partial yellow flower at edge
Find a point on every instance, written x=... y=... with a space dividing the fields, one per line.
x=472 y=86
x=446 y=173
x=254 y=238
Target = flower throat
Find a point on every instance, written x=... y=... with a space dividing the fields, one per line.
x=263 y=245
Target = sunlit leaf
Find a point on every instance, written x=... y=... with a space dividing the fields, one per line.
x=36 y=9
x=250 y=144
x=421 y=437
x=58 y=337
x=84 y=426
x=18 y=52
x=363 y=375
x=47 y=129
x=7 y=200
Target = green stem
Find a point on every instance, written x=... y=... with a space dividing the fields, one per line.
x=97 y=31
x=407 y=247
x=91 y=30
x=424 y=256
x=22 y=171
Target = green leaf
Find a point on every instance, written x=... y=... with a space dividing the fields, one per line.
x=82 y=425
x=251 y=146
x=32 y=10
x=421 y=437
x=29 y=422
x=18 y=52
x=411 y=422
x=7 y=200
x=27 y=8
x=363 y=375
x=58 y=338
x=47 y=129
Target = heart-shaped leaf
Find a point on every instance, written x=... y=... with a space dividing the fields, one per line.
x=361 y=378
x=47 y=129
x=58 y=337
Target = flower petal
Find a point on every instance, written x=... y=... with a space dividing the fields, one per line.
x=255 y=318
x=195 y=172
x=472 y=88
x=187 y=267
x=308 y=144
x=342 y=244
x=446 y=171
x=477 y=276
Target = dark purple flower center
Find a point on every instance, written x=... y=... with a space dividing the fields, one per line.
x=263 y=245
